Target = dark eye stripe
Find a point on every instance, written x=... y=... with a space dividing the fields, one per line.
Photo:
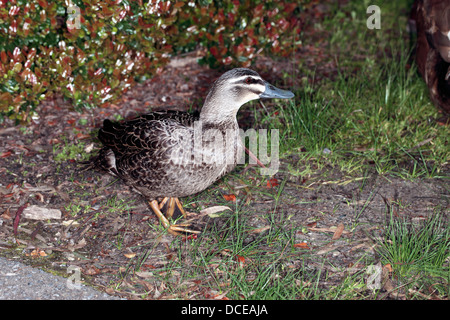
x=251 y=80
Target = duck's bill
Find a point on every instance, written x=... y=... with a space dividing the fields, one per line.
x=272 y=92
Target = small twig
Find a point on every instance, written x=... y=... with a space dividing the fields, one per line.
x=254 y=158
x=35 y=232
x=262 y=104
x=17 y=218
x=420 y=144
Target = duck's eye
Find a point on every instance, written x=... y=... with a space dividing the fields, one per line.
x=249 y=80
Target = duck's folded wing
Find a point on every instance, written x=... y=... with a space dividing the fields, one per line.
x=140 y=134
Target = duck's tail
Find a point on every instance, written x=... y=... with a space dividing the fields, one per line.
x=105 y=161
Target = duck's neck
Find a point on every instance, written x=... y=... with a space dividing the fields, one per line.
x=217 y=110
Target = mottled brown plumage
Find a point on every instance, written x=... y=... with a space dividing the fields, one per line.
x=155 y=153
x=175 y=154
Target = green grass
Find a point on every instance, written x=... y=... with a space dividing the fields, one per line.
x=376 y=114
x=418 y=252
x=70 y=151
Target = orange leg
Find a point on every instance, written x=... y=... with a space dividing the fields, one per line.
x=172 y=204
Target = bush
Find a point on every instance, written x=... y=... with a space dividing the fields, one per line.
x=235 y=32
x=96 y=50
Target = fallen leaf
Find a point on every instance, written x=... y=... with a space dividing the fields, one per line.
x=79 y=245
x=225 y=252
x=5 y=154
x=212 y=211
x=83 y=136
x=337 y=234
x=144 y=274
x=6 y=215
x=388 y=267
x=230 y=197
x=130 y=255
x=91 y=271
x=326 y=249
x=157 y=293
x=259 y=230
x=37 y=253
x=272 y=183
x=331 y=229
x=302 y=245
x=240 y=260
x=190 y=237
x=72 y=223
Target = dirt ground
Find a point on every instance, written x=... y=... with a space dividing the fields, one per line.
x=30 y=175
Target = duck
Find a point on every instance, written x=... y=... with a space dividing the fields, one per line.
x=167 y=155
x=431 y=19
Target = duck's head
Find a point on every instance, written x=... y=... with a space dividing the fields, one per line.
x=235 y=88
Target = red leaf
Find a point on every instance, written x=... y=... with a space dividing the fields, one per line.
x=3 y=56
x=289 y=7
x=16 y=54
x=240 y=260
x=5 y=154
x=257 y=12
x=190 y=237
x=272 y=183
x=214 y=51
x=230 y=197
x=43 y=3
x=82 y=136
x=302 y=245
x=312 y=224
x=14 y=10
x=227 y=60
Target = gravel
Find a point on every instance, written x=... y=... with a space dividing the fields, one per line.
x=21 y=282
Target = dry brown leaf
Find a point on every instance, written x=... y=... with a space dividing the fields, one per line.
x=339 y=230
x=240 y=260
x=259 y=230
x=145 y=274
x=79 y=245
x=326 y=249
x=91 y=271
x=331 y=229
x=212 y=211
x=130 y=255
x=6 y=215
x=302 y=245
x=37 y=253
x=230 y=197
x=72 y=223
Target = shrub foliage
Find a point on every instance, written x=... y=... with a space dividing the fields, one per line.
x=92 y=51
